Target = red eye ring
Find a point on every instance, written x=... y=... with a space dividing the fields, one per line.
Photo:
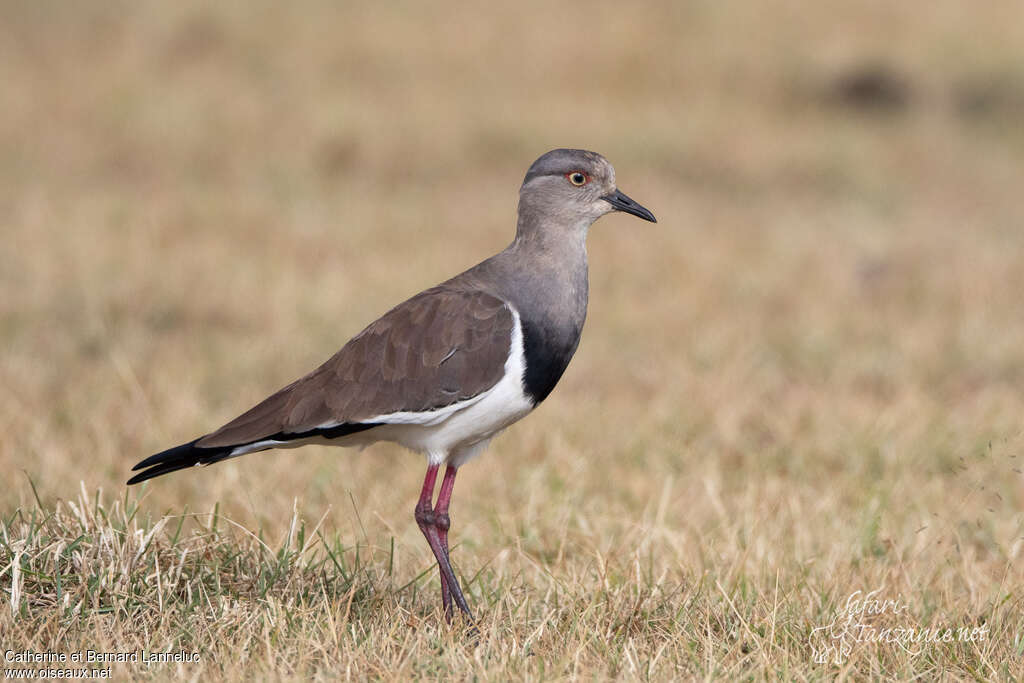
x=577 y=178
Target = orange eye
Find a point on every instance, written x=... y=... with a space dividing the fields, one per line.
x=578 y=178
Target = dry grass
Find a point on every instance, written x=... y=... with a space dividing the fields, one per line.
x=804 y=381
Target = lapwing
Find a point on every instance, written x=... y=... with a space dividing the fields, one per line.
x=445 y=371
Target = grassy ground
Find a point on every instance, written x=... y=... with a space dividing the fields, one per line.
x=805 y=381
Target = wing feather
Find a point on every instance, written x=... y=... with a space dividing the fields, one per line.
x=442 y=346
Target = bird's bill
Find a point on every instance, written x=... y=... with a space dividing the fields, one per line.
x=623 y=203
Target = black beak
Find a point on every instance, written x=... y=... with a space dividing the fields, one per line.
x=623 y=203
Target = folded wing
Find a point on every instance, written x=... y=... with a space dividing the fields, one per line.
x=440 y=347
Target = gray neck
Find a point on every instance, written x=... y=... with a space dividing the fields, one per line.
x=547 y=273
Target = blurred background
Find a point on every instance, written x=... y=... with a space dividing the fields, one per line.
x=817 y=349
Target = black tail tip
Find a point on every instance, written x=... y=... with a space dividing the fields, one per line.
x=174 y=459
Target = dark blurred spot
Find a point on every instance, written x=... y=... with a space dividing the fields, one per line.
x=990 y=96
x=336 y=156
x=871 y=88
x=166 y=319
x=92 y=346
x=875 y=385
x=873 y=273
x=196 y=39
x=126 y=163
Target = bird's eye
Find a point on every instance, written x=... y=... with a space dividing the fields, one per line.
x=577 y=178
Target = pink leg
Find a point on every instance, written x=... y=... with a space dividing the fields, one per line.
x=443 y=523
x=434 y=524
x=425 y=519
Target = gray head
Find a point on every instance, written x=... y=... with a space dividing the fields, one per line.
x=573 y=188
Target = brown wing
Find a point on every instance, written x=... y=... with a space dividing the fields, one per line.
x=439 y=347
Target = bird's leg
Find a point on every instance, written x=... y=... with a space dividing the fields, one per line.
x=442 y=521
x=427 y=519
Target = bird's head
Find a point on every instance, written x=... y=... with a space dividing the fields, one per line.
x=573 y=187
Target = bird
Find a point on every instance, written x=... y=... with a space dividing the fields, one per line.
x=448 y=369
